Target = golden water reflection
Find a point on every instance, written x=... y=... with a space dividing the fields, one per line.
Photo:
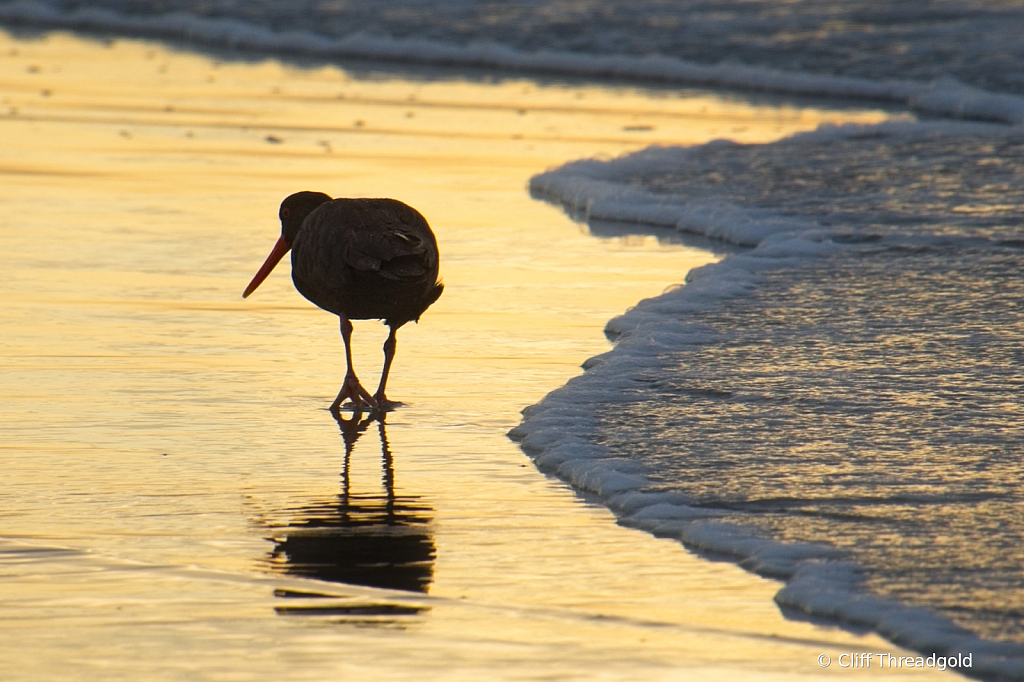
x=155 y=425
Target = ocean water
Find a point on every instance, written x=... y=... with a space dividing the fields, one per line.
x=948 y=58
x=839 y=406
x=177 y=502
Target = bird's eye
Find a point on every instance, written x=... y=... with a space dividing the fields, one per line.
x=285 y=213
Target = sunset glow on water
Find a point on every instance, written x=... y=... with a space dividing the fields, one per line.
x=163 y=438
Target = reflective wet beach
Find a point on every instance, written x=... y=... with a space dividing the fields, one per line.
x=178 y=504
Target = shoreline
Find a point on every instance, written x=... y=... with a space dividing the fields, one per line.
x=163 y=432
x=944 y=96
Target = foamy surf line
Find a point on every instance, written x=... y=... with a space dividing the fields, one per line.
x=599 y=190
x=820 y=580
x=944 y=96
x=559 y=432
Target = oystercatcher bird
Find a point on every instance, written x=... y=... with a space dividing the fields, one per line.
x=360 y=259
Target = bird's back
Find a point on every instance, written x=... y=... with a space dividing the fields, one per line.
x=367 y=258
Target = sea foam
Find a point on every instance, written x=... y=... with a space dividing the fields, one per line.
x=930 y=243
x=944 y=95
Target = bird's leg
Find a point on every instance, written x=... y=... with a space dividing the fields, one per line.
x=351 y=388
x=389 y=354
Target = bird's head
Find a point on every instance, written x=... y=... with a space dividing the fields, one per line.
x=293 y=212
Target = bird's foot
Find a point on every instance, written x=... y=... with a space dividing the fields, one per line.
x=360 y=397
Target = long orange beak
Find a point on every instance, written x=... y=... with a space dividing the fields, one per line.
x=276 y=254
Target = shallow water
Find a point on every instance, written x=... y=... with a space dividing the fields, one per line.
x=889 y=428
x=171 y=476
x=838 y=406
x=853 y=381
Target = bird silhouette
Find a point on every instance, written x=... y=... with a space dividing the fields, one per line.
x=360 y=259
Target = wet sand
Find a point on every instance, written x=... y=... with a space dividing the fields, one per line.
x=177 y=502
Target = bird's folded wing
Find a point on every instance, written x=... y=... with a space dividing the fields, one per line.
x=373 y=235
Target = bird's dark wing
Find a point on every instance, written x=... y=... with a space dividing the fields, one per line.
x=379 y=235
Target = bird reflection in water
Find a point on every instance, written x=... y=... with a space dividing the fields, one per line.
x=380 y=540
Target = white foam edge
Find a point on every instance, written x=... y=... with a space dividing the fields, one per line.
x=600 y=189
x=944 y=96
x=820 y=580
x=830 y=590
